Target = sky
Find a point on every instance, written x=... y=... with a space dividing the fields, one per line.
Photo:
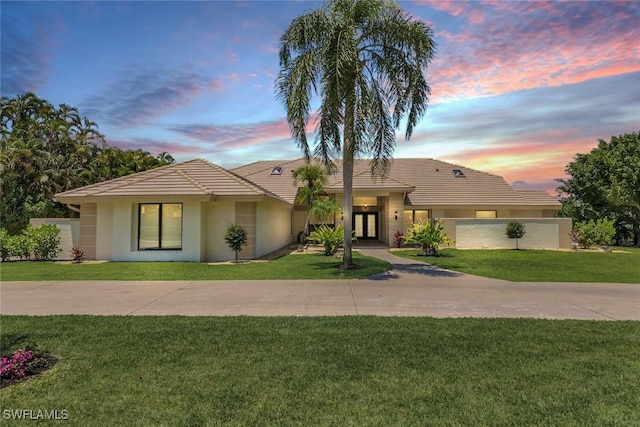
x=518 y=88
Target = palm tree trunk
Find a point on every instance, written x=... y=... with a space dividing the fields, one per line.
x=347 y=175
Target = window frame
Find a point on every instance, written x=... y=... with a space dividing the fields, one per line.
x=160 y=205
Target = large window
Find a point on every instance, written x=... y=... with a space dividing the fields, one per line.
x=160 y=226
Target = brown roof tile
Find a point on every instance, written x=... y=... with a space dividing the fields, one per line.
x=194 y=177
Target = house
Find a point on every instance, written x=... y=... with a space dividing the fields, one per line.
x=180 y=212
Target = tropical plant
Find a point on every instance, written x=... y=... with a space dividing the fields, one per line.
x=45 y=150
x=77 y=255
x=596 y=232
x=4 y=244
x=574 y=235
x=429 y=235
x=323 y=207
x=605 y=184
x=330 y=238
x=515 y=230
x=236 y=238
x=315 y=180
x=366 y=60
x=398 y=239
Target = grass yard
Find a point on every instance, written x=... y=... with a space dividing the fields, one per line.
x=308 y=266
x=540 y=266
x=330 y=371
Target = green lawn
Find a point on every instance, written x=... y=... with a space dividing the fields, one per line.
x=330 y=371
x=540 y=266
x=309 y=266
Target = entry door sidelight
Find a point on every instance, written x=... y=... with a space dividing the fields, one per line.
x=365 y=225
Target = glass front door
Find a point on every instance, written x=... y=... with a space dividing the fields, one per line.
x=365 y=225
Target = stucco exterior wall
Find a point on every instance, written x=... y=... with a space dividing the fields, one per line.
x=69 y=233
x=124 y=236
x=219 y=215
x=246 y=215
x=273 y=227
x=88 y=229
x=394 y=202
x=541 y=233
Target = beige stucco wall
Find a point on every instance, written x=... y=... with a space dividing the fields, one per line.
x=104 y=236
x=273 y=228
x=219 y=215
x=88 y=229
x=395 y=202
x=541 y=233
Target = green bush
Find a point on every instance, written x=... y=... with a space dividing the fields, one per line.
x=330 y=238
x=20 y=246
x=515 y=230
x=45 y=241
x=599 y=232
x=4 y=244
x=429 y=235
x=236 y=237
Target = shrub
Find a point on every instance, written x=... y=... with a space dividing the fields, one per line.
x=20 y=246
x=21 y=364
x=515 y=230
x=596 y=232
x=330 y=238
x=45 y=241
x=429 y=235
x=574 y=235
x=398 y=239
x=77 y=255
x=4 y=244
x=236 y=238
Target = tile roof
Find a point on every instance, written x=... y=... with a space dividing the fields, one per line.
x=194 y=177
x=427 y=182
x=539 y=198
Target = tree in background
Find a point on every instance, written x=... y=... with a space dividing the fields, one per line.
x=605 y=184
x=365 y=59
x=45 y=150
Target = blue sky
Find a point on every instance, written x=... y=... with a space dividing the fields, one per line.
x=518 y=87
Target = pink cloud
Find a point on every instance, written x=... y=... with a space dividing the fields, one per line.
x=561 y=43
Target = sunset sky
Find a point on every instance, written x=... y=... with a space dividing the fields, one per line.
x=518 y=88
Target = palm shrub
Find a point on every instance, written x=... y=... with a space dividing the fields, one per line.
x=236 y=238
x=330 y=238
x=429 y=235
x=515 y=230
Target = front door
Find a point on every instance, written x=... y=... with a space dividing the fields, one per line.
x=365 y=225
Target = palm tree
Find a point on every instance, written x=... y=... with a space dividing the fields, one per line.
x=315 y=179
x=365 y=59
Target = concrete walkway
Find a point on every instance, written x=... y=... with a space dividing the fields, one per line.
x=410 y=289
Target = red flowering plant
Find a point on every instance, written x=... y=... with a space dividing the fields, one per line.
x=22 y=364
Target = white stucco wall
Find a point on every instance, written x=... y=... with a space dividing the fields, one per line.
x=490 y=233
x=273 y=227
x=124 y=234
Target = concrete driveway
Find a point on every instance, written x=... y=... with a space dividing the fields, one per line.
x=410 y=289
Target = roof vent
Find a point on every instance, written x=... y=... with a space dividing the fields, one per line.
x=277 y=170
x=457 y=173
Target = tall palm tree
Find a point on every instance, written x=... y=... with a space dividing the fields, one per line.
x=365 y=59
